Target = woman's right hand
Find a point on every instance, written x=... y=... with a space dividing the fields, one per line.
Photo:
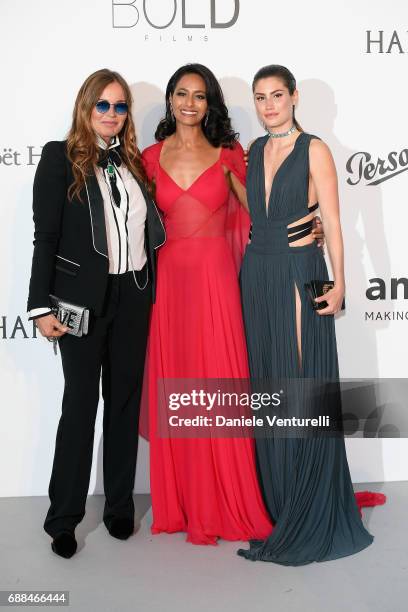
x=50 y=327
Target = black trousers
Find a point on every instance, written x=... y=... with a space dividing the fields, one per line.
x=115 y=346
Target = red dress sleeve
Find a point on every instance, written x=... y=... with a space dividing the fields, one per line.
x=150 y=160
x=233 y=159
x=238 y=222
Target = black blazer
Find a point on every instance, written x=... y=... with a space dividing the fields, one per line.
x=70 y=258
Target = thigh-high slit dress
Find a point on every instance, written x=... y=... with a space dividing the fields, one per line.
x=306 y=483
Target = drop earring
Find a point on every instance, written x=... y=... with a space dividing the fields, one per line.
x=172 y=113
x=206 y=118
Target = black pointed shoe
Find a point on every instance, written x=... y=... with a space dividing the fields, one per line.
x=121 y=528
x=64 y=544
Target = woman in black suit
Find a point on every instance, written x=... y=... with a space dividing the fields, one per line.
x=96 y=231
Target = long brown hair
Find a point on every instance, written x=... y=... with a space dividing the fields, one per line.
x=82 y=148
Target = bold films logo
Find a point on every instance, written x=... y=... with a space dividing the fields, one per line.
x=386 y=294
x=362 y=167
x=163 y=20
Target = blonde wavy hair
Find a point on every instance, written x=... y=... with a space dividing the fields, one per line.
x=82 y=148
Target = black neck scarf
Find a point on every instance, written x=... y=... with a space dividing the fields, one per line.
x=108 y=159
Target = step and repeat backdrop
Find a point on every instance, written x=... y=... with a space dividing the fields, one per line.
x=350 y=60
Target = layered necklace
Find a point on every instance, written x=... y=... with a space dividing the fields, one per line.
x=282 y=134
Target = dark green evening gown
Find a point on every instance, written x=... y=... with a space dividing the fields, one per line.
x=305 y=482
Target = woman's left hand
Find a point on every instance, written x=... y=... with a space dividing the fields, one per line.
x=334 y=298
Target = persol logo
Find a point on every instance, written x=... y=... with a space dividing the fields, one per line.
x=361 y=167
x=162 y=15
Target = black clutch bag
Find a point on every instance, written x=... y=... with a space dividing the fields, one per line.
x=317 y=288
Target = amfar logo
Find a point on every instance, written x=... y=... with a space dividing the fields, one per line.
x=127 y=14
x=378 y=42
x=379 y=290
x=361 y=167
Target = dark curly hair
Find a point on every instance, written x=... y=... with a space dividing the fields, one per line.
x=217 y=129
x=287 y=78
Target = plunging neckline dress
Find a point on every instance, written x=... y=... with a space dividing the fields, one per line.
x=206 y=487
x=306 y=483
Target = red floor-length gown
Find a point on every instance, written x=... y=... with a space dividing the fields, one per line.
x=206 y=487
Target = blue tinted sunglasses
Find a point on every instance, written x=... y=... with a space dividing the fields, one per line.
x=120 y=108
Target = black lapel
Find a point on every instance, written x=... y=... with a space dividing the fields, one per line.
x=97 y=214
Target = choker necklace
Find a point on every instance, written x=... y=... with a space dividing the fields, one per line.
x=281 y=134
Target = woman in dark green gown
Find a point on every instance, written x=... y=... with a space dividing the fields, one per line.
x=305 y=481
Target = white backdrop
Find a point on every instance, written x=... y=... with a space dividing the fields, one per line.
x=353 y=94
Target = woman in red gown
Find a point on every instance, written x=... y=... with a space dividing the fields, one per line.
x=206 y=487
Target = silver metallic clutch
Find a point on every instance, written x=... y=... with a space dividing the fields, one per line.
x=75 y=317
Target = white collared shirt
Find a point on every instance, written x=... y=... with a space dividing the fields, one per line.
x=125 y=224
